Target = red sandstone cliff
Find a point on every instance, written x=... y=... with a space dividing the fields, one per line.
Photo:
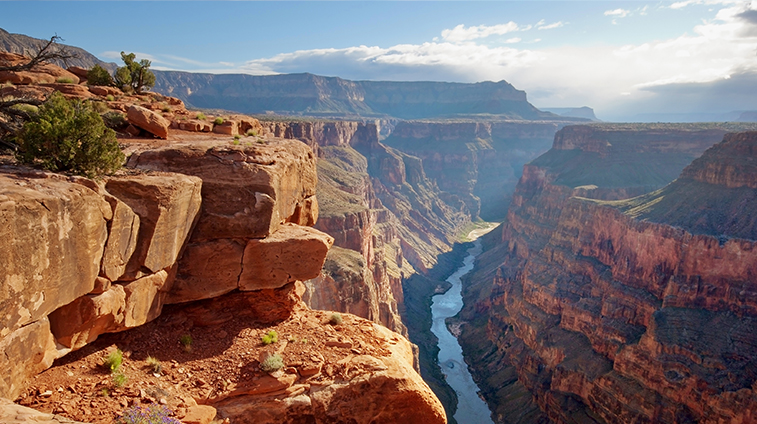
x=219 y=230
x=604 y=316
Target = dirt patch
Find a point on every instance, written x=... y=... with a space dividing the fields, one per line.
x=207 y=352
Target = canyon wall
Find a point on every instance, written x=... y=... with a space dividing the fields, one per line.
x=478 y=161
x=205 y=226
x=590 y=308
x=387 y=218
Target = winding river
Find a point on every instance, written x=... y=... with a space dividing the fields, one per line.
x=470 y=408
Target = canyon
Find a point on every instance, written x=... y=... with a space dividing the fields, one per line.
x=591 y=305
x=619 y=288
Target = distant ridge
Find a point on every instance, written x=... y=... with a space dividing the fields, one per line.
x=329 y=97
x=314 y=95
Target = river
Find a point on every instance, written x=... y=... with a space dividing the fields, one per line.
x=470 y=408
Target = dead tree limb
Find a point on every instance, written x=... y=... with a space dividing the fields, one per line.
x=49 y=52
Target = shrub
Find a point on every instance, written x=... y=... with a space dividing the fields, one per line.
x=119 y=379
x=64 y=80
x=151 y=414
x=166 y=108
x=251 y=133
x=110 y=98
x=186 y=341
x=272 y=363
x=335 y=319
x=154 y=364
x=115 y=120
x=134 y=75
x=99 y=76
x=99 y=107
x=201 y=116
x=113 y=361
x=69 y=136
x=271 y=337
x=218 y=121
x=30 y=110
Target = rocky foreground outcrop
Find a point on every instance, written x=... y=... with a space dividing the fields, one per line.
x=189 y=222
x=597 y=314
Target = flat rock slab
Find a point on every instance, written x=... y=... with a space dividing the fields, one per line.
x=248 y=191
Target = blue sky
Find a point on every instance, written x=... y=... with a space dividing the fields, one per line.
x=618 y=57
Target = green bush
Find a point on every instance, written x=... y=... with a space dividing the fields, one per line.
x=251 y=133
x=154 y=364
x=64 y=80
x=30 y=110
x=271 y=337
x=272 y=363
x=69 y=136
x=218 y=121
x=151 y=414
x=186 y=341
x=110 y=98
x=119 y=379
x=113 y=361
x=115 y=120
x=335 y=319
x=201 y=116
x=99 y=76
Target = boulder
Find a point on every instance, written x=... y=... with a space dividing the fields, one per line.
x=81 y=321
x=167 y=205
x=148 y=121
x=78 y=71
x=199 y=414
x=71 y=90
x=290 y=254
x=24 y=353
x=195 y=125
x=207 y=269
x=52 y=237
x=117 y=309
x=248 y=191
x=10 y=413
x=103 y=91
x=228 y=127
x=35 y=92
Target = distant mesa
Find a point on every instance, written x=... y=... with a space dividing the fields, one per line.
x=573 y=112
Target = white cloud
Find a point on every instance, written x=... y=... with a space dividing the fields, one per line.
x=554 y=25
x=684 y=3
x=513 y=40
x=461 y=33
x=620 y=13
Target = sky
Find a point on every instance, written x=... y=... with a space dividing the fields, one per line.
x=622 y=58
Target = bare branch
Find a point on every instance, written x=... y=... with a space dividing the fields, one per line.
x=49 y=52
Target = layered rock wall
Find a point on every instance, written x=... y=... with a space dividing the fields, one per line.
x=603 y=317
x=111 y=255
x=480 y=162
x=385 y=216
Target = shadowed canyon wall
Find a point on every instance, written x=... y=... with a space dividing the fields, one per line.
x=589 y=308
